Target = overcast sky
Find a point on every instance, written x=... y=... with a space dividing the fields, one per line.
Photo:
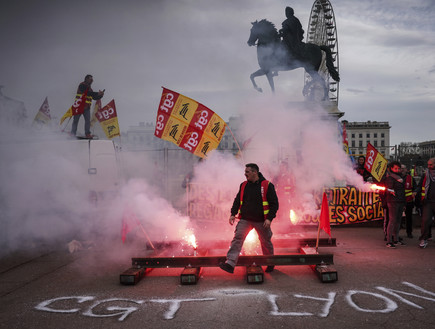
x=198 y=48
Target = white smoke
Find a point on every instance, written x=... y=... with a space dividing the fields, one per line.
x=307 y=138
x=45 y=191
x=49 y=196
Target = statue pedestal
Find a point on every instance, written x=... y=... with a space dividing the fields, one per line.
x=330 y=108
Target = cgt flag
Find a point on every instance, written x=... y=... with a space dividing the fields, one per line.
x=375 y=163
x=43 y=116
x=77 y=108
x=97 y=107
x=188 y=124
x=109 y=120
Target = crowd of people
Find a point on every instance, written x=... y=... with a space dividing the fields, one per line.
x=402 y=197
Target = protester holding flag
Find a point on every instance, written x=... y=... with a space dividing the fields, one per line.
x=396 y=203
x=256 y=204
x=85 y=88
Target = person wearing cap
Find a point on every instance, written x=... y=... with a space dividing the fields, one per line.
x=255 y=205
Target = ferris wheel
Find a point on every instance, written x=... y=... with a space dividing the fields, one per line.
x=322 y=31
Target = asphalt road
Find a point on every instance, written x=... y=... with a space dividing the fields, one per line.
x=377 y=287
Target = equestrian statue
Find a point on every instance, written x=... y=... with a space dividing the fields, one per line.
x=275 y=54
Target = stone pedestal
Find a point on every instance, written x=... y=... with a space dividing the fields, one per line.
x=330 y=108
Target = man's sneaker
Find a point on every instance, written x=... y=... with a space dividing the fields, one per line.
x=270 y=268
x=390 y=245
x=423 y=244
x=400 y=242
x=226 y=267
x=89 y=136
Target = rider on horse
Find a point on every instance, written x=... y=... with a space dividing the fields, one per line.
x=292 y=33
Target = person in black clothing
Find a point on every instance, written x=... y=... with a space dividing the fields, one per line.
x=361 y=170
x=256 y=205
x=91 y=95
x=426 y=188
x=383 y=198
x=410 y=186
x=396 y=203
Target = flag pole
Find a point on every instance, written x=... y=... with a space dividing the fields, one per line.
x=240 y=150
x=146 y=235
x=318 y=236
x=63 y=130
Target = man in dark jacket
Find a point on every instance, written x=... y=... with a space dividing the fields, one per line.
x=395 y=196
x=410 y=186
x=91 y=95
x=256 y=204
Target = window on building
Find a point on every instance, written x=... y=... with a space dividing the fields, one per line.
x=353 y=135
x=368 y=135
x=360 y=143
x=375 y=135
x=382 y=143
x=382 y=135
x=353 y=143
x=360 y=135
x=375 y=143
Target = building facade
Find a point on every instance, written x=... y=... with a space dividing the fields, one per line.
x=359 y=134
x=427 y=149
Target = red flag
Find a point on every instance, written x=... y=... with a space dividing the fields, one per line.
x=79 y=105
x=345 y=140
x=129 y=222
x=77 y=108
x=324 y=216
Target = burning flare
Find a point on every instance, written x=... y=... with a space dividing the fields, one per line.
x=191 y=240
x=293 y=218
x=375 y=187
x=252 y=243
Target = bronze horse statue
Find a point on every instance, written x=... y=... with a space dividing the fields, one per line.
x=273 y=56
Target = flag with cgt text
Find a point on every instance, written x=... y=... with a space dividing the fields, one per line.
x=43 y=116
x=77 y=108
x=109 y=119
x=188 y=124
x=375 y=163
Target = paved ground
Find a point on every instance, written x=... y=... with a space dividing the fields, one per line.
x=377 y=288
